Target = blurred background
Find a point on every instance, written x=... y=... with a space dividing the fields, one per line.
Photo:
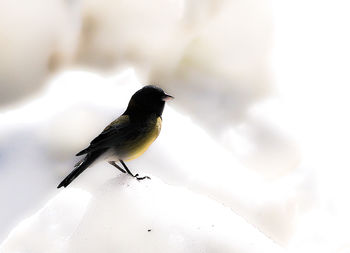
x=261 y=106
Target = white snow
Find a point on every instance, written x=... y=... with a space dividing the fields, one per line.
x=36 y=38
x=124 y=215
x=187 y=162
x=281 y=164
x=50 y=227
x=184 y=161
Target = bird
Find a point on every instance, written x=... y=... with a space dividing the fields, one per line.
x=127 y=137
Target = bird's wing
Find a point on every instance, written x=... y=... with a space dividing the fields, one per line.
x=118 y=127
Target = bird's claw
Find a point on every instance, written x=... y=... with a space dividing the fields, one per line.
x=137 y=176
x=141 y=178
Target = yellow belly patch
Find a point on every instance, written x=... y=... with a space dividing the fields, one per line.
x=141 y=145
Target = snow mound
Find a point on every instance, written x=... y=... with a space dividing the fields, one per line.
x=46 y=230
x=125 y=215
x=48 y=132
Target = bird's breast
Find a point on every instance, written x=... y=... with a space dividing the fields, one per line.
x=138 y=145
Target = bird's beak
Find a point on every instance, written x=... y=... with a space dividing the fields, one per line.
x=167 y=97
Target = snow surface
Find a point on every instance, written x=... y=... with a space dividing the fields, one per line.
x=57 y=130
x=291 y=208
x=184 y=154
x=281 y=163
x=125 y=215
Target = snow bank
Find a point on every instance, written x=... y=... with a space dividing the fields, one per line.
x=293 y=207
x=46 y=133
x=125 y=215
x=46 y=230
x=77 y=105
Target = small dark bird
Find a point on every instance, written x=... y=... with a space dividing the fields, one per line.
x=128 y=136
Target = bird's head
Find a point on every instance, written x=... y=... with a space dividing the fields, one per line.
x=148 y=100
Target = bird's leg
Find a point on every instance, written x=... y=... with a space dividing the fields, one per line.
x=129 y=172
x=117 y=166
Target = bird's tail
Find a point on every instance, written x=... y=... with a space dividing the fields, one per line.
x=82 y=165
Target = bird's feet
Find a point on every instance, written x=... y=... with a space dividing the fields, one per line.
x=140 y=178
x=129 y=172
